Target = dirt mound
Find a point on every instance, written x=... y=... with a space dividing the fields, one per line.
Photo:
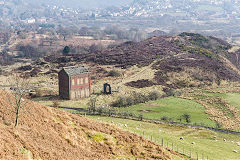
x=47 y=133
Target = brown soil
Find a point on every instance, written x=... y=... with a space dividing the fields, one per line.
x=152 y=105
x=147 y=111
x=140 y=83
x=48 y=133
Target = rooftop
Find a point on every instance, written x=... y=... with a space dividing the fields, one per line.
x=75 y=70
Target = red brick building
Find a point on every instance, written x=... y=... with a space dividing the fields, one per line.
x=74 y=83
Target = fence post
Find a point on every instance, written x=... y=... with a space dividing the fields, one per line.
x=177 y=148
x=151 y=137
x=190 y=153
x=172 y=145
x=162 y=142
x=197 y=155
x=167 y=143
x=183 y=149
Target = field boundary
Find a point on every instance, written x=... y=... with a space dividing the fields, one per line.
x=161 y=122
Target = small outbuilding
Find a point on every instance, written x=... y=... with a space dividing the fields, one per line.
x=74 y=82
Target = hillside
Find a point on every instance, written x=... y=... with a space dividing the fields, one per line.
x=46 y=133
x=186 y=60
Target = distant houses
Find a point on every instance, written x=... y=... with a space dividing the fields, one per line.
x=74 y=83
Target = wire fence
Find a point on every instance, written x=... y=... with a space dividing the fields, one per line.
x=137 y=118
x=181 y=149
x=170 y=145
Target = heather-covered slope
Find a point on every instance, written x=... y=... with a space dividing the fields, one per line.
x=185 y=60
x=46 y=133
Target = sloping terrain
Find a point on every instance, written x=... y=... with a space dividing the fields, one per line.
x=126 y=54
x=142 y=53
x=186 y=60
x=47 y=133
x=187 y=69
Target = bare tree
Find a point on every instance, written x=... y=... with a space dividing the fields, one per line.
x=92 y=104
x=19 y=87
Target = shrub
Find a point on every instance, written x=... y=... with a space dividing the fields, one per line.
x=129 y=101
x=111 y=112
x=218 y=125
x=125 y=114
x=187 y=117
x=66 y=50
x=135 y=98
x=202 y=51
x=114 y=73
x=39 y=93
x=92 y=105
x=139 y=98
x=154 y=95
x=56 y=104
x=28 y=51
x=165 y=118
x=120 y=102
x=169 y=92
x=100 y=110
x=196 y=39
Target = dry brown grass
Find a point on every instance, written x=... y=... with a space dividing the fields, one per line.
x=47 y=133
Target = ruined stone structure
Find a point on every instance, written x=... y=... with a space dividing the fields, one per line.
x=107 y=88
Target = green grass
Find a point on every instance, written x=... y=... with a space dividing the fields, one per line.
x=172 y=107
x=232 y=99
x=204 y=139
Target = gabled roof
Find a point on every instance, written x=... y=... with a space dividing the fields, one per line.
x=75 y=70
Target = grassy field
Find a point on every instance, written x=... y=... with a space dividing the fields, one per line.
x=173 y=108
x=232 y=98
x=207 y=143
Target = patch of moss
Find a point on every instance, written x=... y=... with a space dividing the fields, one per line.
x=23 y=151
x=58 y=120
x=99 y=137
x=202 y=51
x=196 y=39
